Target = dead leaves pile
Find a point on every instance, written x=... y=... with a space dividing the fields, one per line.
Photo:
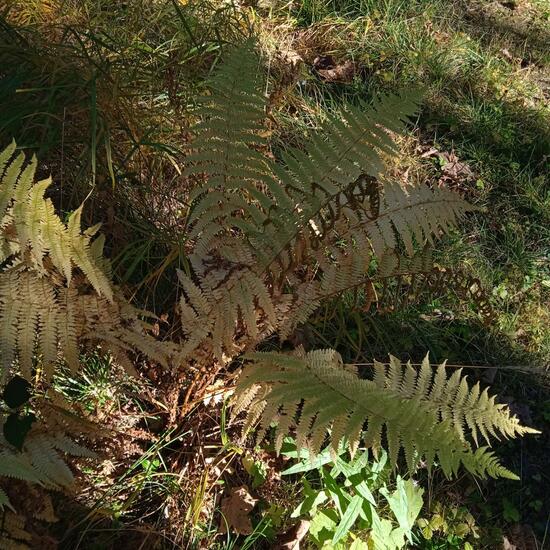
x=329 y=70
x=454 y=173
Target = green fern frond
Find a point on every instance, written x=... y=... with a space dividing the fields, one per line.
x=409 y=410
x=413 y=214
x=318 y=196
x=483 y=463
x=331 y=169
x=276 y=204
x=451 y=397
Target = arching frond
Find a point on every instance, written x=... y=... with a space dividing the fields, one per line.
x=328 y=205
x=31 y=229
x=429 y=416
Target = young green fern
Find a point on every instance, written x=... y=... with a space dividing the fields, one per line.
x=431 y=417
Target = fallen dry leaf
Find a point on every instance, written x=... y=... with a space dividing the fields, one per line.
x=291 y=57
x=432 y=151
x=454 y=172
x=235 y=509
x=292 y=538
x=329 y=71
x=520 y=537
x=455 y=169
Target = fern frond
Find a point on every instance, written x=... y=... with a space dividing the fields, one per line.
x=4 y=500
x=348 y=269
x=414 y=214
x=55 y=290
x=41 y=452
x=329 y=174
x=223 y=151
x=39 y=230
x=39 y=462
x=17 y=467
x=66 y=445
x=216 y=313
x=409 y=410
x=82 y=256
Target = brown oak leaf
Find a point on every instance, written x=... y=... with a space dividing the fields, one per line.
x=235 y=509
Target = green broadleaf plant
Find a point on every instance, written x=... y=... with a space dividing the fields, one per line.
x=345 y=501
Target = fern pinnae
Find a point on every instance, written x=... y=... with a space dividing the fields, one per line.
x=389 y=404
x=56 y=241
x=45 y=459
x=68 y=328
x=66 y=445
x=26 y=326
x=248 y=310
x=48 y=336
x=9 y=183
x=424 y=378
x=9 y=316
x=12 y=466
x=6 y=156
x=5 y=501
x=34 y=212
x=194 y=293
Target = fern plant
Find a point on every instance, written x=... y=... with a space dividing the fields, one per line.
x=31 y=446
x=272 y=239
x=269 y=241
x=56 y=293
x=41 y=460
x=255 y=223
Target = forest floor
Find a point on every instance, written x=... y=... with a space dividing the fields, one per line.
x=108 y=100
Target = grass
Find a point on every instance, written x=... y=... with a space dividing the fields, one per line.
x=104 y=92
